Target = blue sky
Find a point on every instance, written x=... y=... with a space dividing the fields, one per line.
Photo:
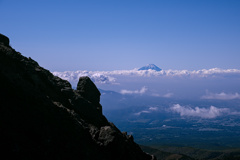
x=124 y=34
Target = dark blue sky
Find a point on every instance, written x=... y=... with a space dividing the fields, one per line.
x=124 y=34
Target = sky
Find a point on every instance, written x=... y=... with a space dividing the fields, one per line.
x=106 y=35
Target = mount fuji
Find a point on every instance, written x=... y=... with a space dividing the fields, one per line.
x=150 y=66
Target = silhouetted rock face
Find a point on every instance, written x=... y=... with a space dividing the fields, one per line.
x=4 y=40
x=42 y=117
x=88 y=90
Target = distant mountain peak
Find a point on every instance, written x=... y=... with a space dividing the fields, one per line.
x=150 y=66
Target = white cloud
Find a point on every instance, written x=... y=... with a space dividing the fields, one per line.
x=100 y=78
x=149 y=110
x=139 y=113
x=153 y=108
x=167 y=95
x=97 y=77
x=235 y=113
x=141 y=91
x=221 y=96
x=200 y=73
x=207 y=113
x=110 y=76
x=156 y=95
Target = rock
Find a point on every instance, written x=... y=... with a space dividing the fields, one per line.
x=88 y=90
x=4 y=40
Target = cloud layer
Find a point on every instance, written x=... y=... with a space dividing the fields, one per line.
x=167 y=95
x=149 y=110
x=141 y=91
x=97 y=77
x=206 y=113
x=221 y=96
x=110 y=76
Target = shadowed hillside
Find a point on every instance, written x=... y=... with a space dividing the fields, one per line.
x=43 y=117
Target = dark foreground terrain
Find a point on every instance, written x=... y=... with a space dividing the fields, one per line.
x=187 y=153
x=42 y=117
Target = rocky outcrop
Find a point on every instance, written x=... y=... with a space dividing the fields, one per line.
x=88 y=90
x=4 y=40
x=42 y=117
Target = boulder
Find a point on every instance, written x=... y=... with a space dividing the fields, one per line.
x=88 y=90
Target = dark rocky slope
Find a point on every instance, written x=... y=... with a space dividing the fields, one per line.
x=42 y=117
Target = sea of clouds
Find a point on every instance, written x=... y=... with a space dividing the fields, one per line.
x=215 y=83
x=109 y=76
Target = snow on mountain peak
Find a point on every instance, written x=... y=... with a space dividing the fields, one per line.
x=150 y=66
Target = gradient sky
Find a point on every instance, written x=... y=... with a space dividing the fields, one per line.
x=124 y=34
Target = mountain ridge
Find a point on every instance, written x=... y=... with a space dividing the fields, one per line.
x=43 y=117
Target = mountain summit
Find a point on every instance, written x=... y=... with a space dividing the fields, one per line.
x=150 y=66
